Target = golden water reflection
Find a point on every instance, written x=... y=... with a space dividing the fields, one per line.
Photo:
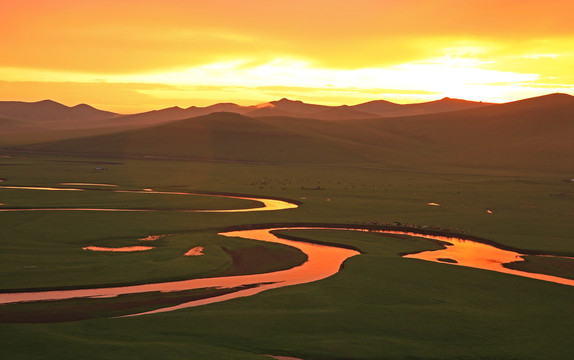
x=267 y=204
x=87 y=184
x=478 y=255
x=196 y=251
x=323 y=261
x=152 y=237
x=118 y=249
x=44 y=188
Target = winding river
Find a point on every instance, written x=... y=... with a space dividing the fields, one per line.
x=267 y=204
x=323 y=260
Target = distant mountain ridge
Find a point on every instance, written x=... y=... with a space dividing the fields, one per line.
x=299 y=109
x=49 y=112
x=531 y=135
x=371 y=109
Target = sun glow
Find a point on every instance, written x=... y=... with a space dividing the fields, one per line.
x=167 y=53
x=246 y=81
x=445 y=77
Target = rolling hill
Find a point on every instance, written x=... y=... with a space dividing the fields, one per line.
x=528 y=135
x=372 y=109
x=49 y=113
x=10 y=126
x=155 y=117
x=532 y=133
x=229 y=137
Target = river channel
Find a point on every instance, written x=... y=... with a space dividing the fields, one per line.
x=322 y=260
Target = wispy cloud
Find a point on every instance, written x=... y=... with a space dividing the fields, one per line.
x=453 y=48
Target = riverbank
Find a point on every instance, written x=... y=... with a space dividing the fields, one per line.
x=380 y=306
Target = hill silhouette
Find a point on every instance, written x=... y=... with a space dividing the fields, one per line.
x=174 y=113
x=52 y=114
x=55 y=116
x=291 y=107
x=342 y=113
x=286 y=108
x=9 y=126
x=528 y=135
x=219 y=136
x=383 y=108
x=371 y=109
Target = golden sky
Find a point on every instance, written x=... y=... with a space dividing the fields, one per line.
x=137 y=55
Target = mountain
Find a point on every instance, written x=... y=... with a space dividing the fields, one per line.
x=533 y=133
x=53 y=115
x=155 y=117
x=224 y=136
x=384 y=108
x=280 y=108
x=51 y=112
x=529 y=135
x=343 y=113
x=378 y=107
x=296 y=106
x=286 y=107
x=220 y=107
x=9 y=126
x=439 y=106
x=299 y=109
x=371 y=109
x=148 y=117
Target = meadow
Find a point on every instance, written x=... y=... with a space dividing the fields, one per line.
x=380 y=306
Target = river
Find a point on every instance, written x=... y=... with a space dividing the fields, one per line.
x=323 y=260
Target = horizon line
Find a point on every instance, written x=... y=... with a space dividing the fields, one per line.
x=285 y=98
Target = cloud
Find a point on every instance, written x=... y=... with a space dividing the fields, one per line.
x=107 y=36
x=119 y=97
x=436 y=46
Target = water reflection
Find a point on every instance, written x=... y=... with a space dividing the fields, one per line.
x=87 y=184
x=266 y=204
x=196 y=251
x=323 y=261
x=118 y=249
x=76 y=209
x=476 y=255
x=44 y=188
x=152 y=237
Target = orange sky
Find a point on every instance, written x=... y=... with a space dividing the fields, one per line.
x=131 y=56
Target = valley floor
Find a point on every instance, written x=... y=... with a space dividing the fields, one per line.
x=380 y=306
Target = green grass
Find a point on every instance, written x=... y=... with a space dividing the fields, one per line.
x=86 y=308
x=563 y=267
x=379 y=307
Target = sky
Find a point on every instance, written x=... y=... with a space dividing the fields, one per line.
x=137 y=55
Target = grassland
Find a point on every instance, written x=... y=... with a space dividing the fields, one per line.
x=379 y=307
